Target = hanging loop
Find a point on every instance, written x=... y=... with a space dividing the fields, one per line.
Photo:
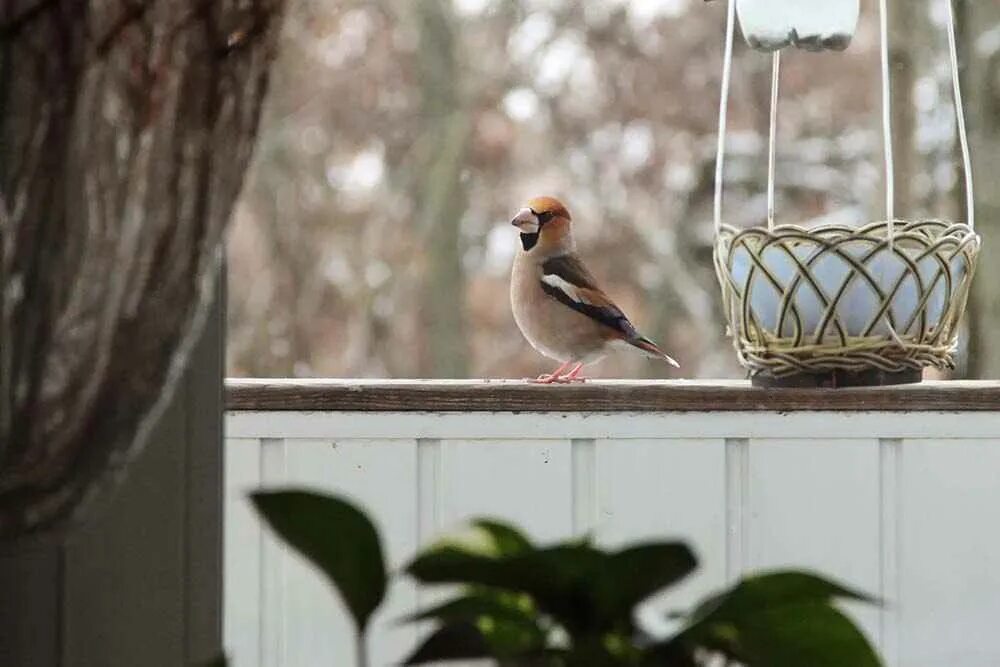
x=963 y=135
x=890 y=170
x=727 y=72
x=887 y=130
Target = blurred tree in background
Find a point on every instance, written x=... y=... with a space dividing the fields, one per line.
x=373 y=237
x=980 y=30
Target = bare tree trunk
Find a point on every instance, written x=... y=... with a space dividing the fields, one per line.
x=980 y=25
x=125 y=130
x=441 y=197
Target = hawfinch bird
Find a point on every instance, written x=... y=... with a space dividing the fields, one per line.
x=556 y=301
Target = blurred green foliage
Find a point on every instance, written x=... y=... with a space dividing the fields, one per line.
x=571 y=604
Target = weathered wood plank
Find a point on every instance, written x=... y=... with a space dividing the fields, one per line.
x=604 y=396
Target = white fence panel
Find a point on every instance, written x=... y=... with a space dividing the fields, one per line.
x=901 y=505
x=526 y=482
x=242 y=565
x=949 y=567
x=814 y=505
x=666 y=489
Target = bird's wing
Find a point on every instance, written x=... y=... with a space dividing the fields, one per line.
x=567 y=280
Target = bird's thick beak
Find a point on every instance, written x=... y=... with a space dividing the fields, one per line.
x=526 y=221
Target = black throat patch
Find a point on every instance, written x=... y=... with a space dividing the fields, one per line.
x=528 y=241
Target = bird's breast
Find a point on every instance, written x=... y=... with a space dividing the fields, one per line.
x=552 y=328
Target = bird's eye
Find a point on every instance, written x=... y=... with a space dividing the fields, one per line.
x=544 y=217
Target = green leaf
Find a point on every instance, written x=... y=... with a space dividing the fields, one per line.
x=453 y=565
x=811 y=634
x=671 y=655
x=775 y=589
x=635 y=573
x=508 y=540
x=458 y=641
x=508 y=621
x=486 y=538
x=559 y=579
x=781 y=618
x=471 y=607
x=587 y=591
x=337 y=538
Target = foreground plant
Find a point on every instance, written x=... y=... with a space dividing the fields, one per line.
x=570 y=604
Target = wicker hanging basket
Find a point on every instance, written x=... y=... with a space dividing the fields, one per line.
x=835 y=305
x=834 y=298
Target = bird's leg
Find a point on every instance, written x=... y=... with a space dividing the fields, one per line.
x=551 y=378
x=574 y=375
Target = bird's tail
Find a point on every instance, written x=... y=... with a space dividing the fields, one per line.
x=652 y=350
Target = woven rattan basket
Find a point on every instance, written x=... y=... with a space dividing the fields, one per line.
x=837 y=298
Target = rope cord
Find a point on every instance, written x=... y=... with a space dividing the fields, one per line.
x=890 y=176
x=890 y=169
x=772 y=144
x=963 y=134
x=727 y=71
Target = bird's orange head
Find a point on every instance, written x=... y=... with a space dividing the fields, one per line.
x=544 y=219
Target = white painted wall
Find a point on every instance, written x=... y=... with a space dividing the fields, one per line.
x=906 y=506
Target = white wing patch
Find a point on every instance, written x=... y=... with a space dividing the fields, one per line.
x=571 y=290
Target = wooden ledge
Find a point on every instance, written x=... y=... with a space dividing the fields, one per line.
x=261 y=395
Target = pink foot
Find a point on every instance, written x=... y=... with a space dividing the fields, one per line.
x=555 y=377
x=574 y=375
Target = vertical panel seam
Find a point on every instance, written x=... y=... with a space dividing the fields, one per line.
x=263 y=562
x=737 y=471
x=890 y=458
x=271 y=584
x=428 y=488
x=583 y=459
x=429 y=496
